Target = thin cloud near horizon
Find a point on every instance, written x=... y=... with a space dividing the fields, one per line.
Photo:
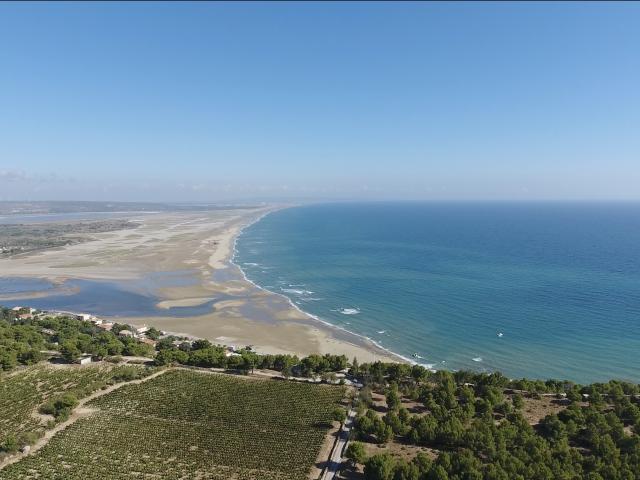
x=218 y=101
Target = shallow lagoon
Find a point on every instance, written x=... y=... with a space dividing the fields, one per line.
x=20 y=285
x=126 y=298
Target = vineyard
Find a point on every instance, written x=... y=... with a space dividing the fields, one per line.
x=22 y=392
x=189 y=425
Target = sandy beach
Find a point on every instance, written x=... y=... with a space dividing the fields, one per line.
x=199 y=247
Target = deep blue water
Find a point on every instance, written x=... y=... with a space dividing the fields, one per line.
x=561 y=282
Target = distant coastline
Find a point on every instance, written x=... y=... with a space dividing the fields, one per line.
x=418 y=283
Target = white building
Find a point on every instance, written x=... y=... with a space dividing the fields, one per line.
x=84 y=360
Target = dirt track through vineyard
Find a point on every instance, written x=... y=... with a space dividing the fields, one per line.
x=78 y=412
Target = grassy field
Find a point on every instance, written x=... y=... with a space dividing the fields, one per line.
x=190 y=425
x=23 y=391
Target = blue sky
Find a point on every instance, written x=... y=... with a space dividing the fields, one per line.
x=209 y=101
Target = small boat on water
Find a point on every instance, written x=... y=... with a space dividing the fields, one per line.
x=500 y=334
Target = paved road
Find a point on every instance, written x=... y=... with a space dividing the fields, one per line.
x=335 y=459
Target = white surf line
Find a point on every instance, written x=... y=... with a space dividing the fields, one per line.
x=292 y=304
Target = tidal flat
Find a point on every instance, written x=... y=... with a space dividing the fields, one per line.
x=173 y=271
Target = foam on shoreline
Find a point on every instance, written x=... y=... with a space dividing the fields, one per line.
x=365 y=339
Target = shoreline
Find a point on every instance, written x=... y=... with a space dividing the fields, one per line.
x=242 y=313
x=311 y=316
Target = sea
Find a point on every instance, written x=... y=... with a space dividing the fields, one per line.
x=537 y=290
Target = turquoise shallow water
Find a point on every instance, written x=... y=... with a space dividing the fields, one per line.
x=561 y=282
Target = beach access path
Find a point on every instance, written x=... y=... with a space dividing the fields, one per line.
x=335 y=459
